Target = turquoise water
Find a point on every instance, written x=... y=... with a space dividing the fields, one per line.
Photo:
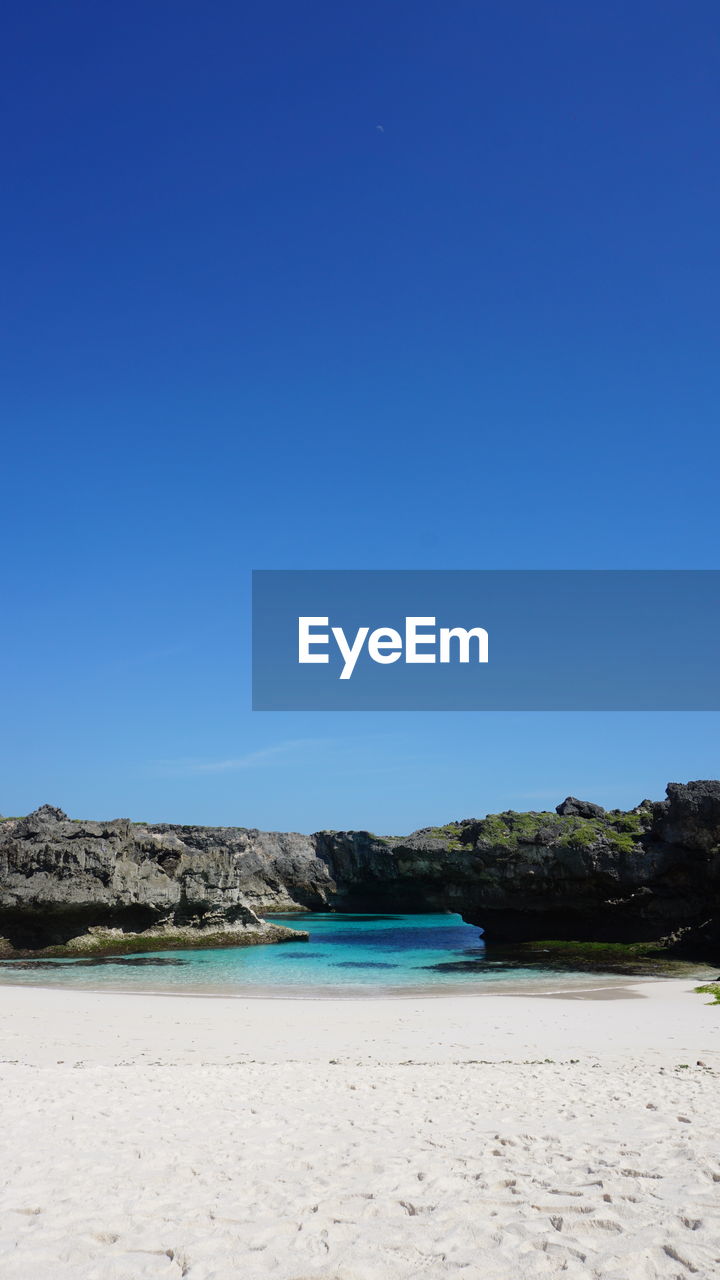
x=346 y=954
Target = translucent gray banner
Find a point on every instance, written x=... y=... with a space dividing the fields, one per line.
x=496 y=640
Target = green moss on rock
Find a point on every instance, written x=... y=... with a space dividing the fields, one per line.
x=510 y=830
x=114 y=942
x=639 y=959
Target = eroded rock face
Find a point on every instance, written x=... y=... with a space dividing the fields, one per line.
x=690 y=816
x=582 y=873
x=528 y=876
x=578 y=873
x=59 y=878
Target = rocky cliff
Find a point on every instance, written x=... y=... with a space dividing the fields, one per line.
x=577 y=873
x=100 y=885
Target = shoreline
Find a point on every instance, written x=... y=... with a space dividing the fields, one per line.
x=669 y=1012
x=584 y=987
x=333 y=994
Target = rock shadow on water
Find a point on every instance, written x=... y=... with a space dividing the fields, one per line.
x=140 y=961
x=416 y=938
x=364 y=964
x=364 y=919
x=338 y=917
x=61 y=966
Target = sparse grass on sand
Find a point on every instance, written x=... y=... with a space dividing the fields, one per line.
x=710 y=989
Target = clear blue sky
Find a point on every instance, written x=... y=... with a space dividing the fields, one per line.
x=401 y=285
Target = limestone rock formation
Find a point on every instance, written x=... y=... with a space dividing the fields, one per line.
x=583 y=873
x=61 y=878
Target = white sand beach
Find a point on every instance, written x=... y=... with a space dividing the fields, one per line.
x=497 y=1137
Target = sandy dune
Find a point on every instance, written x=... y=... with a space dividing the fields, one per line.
x=494 y=1137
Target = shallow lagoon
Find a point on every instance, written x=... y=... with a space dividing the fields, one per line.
x=346 y=955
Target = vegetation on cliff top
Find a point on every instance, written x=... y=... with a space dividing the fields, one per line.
x=619 y=830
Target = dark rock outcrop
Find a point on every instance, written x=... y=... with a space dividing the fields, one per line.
x=572 y=807
x=583 y=873
x=690 y=816
x=645 y=875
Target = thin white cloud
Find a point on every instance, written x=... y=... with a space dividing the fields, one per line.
x=252 y=760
